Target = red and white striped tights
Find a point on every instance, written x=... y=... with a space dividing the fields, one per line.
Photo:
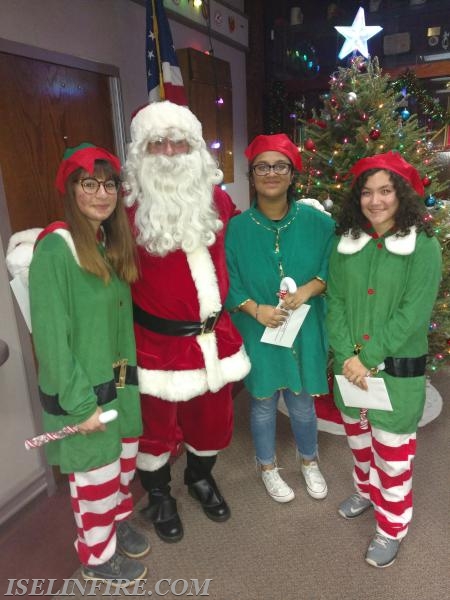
x=100 y=498
x=383 y=465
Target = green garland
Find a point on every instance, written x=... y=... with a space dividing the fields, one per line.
x=427 y=104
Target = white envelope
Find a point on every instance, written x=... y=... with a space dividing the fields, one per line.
x=286 y=333
x=375 y=397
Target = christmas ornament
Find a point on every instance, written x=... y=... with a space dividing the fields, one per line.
x=430 y=201
x=328 y=203
x=334 y=102
x=310 y=145
x=352 y=97
x=374 y=134
x=405 y=114
x=426 y=181
x=356 y=35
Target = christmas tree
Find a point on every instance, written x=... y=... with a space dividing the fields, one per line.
x=365 y=113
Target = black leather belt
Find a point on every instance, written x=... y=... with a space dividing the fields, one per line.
x=405 y=367
x=105 y=392
x=171 y=327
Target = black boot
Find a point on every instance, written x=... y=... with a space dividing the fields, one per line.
x=202 y=486
x=162 y=507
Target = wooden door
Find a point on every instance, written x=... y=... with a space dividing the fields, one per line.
x=208 y=79
x=44 y=108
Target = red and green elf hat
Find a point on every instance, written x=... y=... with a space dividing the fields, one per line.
x=82 y=156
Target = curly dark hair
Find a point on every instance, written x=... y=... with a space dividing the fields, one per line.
x=411 y=210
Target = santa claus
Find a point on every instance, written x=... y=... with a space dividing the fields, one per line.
x=189 y=352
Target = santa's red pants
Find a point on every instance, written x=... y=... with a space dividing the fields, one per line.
x=382 y=472
x=100 y=498
x=205 y=422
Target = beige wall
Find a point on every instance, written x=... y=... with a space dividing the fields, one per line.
x=113 y=32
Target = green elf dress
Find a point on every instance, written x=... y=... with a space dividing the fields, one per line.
x=381 y=292
x=260 y=252
x=81 y=328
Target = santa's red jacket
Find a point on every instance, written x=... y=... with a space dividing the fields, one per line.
x=187 y=287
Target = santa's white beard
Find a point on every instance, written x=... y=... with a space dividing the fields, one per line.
x=175 y=206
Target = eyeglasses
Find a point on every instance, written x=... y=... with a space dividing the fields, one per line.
x=280 y=168
x=167 y=146
x=91 y=185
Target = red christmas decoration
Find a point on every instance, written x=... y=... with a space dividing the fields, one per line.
x=334 y=102
x=426 y=181
x=374 y=134
x=318 y=122
x=310 y=145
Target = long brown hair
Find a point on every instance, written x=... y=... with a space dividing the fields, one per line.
x=120 y=249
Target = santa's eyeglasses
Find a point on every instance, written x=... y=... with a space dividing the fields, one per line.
x=163 y=145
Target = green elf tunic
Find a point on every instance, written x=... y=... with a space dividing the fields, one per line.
x=260 y=252
x=81 y=326
x=381 y=292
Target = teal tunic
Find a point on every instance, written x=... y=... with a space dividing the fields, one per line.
x=382 y=300
x=260 y=252
x=81 y=326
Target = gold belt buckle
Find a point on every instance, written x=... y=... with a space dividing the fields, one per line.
x=122 y=364
x=210 y=323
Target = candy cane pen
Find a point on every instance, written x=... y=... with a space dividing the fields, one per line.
x=44 y=438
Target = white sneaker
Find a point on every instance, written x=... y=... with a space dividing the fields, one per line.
x=276 y=487
x=315 y=483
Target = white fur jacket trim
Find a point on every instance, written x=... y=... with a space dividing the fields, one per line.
x=180 y=386
x=401 y=245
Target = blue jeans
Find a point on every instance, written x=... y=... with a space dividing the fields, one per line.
x=263 y=421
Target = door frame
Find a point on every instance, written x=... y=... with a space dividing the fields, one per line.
x=47 y=480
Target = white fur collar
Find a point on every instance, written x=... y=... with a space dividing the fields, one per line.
x=401 y=245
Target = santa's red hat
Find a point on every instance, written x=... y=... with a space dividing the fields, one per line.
x=390 y=161
x=278 y=142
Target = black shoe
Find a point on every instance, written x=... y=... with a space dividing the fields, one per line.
x=213 y=503
x=162 y=512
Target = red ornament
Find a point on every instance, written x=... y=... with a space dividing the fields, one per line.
x=426 y=181
x=374 y=134
x=318 y=122
x=310 y=145
x=334 y=102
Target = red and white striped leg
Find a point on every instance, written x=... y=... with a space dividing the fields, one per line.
x=383 y=465
x=101 y=497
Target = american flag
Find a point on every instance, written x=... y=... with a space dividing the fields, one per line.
x=164 y=81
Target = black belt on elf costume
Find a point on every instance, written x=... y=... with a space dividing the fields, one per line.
x=124 y=374
x=405 y=367
x=175 y=328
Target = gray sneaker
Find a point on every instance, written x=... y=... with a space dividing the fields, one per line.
x=130 y=542
x=354 y=506
x=382 y=551
x=119 y=570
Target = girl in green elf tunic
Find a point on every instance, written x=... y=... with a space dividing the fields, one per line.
x=83 y=337
x=276 y=238
x=383 y=280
